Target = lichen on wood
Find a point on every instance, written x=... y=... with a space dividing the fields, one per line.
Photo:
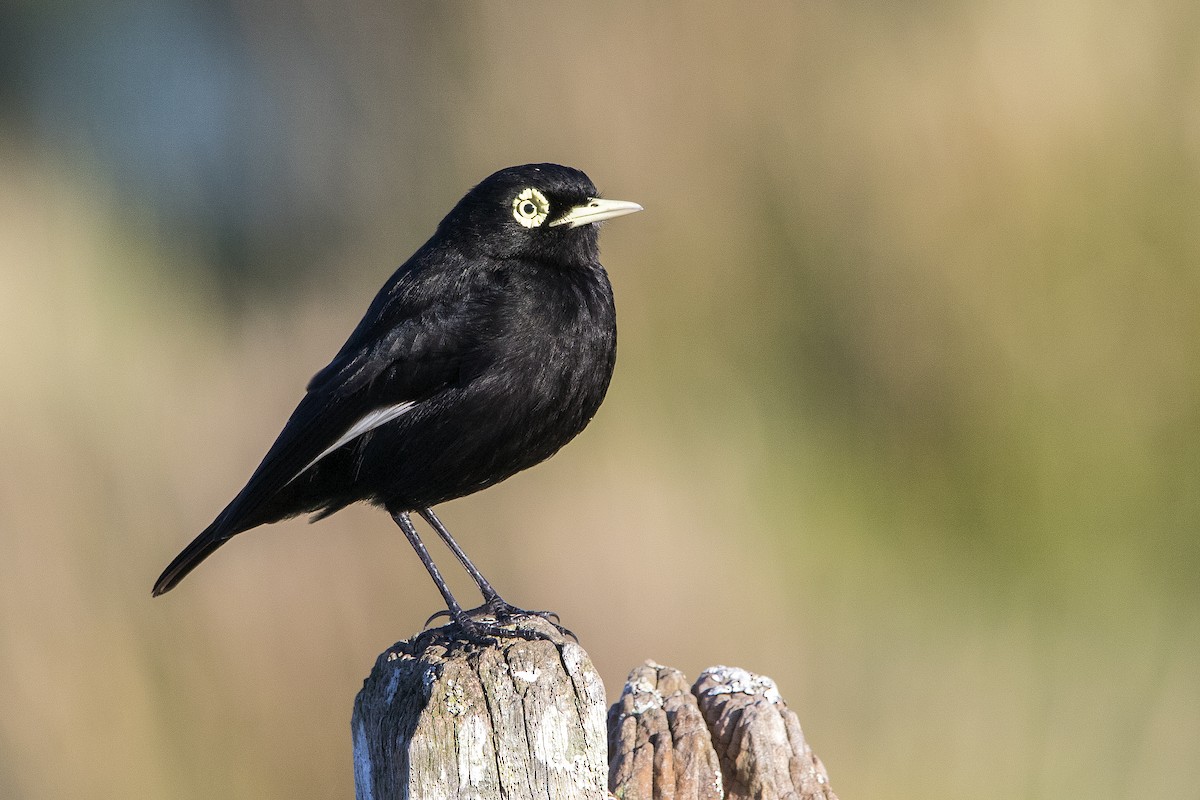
x=729 y=736
x=438 y=718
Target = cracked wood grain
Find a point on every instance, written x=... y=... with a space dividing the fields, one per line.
x=525 y=719
x=521 y=719
x=729 y=736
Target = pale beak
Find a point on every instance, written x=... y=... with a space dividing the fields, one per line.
x=595 y=210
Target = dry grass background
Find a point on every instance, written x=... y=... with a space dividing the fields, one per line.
x=906 y=414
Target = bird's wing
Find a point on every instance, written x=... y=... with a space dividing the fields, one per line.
x=393 y=362
x=415 y=341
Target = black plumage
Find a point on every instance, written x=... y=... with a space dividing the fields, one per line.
x=487 y=351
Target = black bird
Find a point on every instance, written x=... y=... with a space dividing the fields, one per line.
x=487 y=351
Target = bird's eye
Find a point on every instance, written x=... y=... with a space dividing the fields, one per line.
x=530 y=207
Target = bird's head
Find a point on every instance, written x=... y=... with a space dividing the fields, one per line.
x=543 y=211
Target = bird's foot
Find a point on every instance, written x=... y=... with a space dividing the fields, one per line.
x=506 y=613
x=465 y=629
x=497 y=619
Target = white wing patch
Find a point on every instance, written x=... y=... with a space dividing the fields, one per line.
x=369 y=421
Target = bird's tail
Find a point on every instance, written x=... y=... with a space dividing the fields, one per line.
x=200 y=548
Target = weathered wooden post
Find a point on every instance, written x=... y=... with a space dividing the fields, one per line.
x=526 y=719
x=729 y=736
x=520 y=719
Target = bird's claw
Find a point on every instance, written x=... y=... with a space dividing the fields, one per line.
x=445 y=612
x=507 y=613
x=489 y=622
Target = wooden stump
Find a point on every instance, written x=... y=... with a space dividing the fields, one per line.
x=658 y=742
x=525 y=719
x=729 y=736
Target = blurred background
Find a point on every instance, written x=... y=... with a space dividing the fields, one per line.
x=906 y=413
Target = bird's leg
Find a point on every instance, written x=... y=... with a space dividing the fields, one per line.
x=493 y=603
x=490 y=595
x=410 y=533
x=477 y=632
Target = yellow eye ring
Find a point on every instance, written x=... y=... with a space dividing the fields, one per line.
x=530 y=207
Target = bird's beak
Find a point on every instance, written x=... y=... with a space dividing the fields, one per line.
x=595 y=210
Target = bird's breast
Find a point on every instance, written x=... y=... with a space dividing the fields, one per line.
x=555 y=357
x=543 y=371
